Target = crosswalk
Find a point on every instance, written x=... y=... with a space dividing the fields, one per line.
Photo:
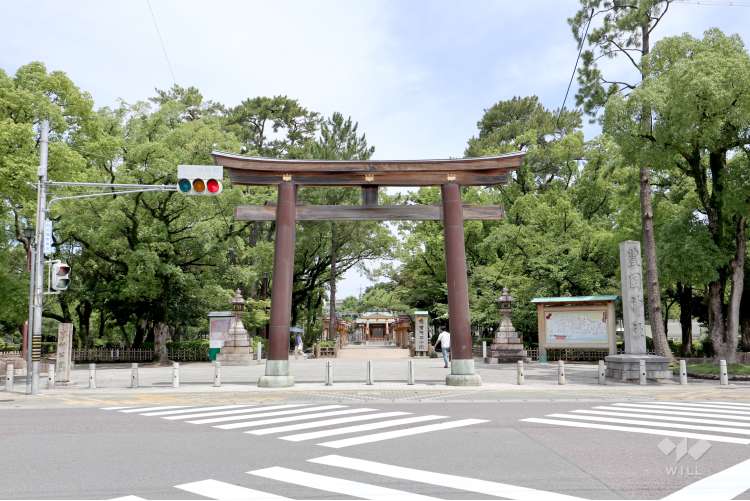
x=337 y=481
x=714 y=421
x=302 y=422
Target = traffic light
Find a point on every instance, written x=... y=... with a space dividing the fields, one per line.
x=60 y=277
x=199 y=179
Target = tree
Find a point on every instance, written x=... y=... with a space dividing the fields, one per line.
x=698 y=95
x=624 y=31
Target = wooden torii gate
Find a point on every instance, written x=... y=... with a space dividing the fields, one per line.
x=450 y=175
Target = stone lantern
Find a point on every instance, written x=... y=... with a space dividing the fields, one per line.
x=507 y=345
x=236 y=349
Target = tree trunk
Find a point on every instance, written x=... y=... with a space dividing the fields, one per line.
x=745 y=315
x=332 y=324
x=102 y=323
x=647 y=222
x=161 y=336
x=738 y=282
x=685 y=295
x=84 y=310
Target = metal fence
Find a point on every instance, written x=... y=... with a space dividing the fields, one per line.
x=11 y=354
x=138 y=355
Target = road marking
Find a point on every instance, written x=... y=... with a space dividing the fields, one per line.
x=146 y=409
x=387 y=435
x=679 y=426
x=692 y=410
x=214 y=489
x=333 y=484
x=245 y=415
x=440 y=479
x=236 y=411
x=114 y=409
x=299 y=417
x=186 y=411
x=620 y=407
x=127 y=498
x=362 y=427
x=722 y=408
x=726 y=484
x=325 y=422
x=662 y=418
x=647 y=431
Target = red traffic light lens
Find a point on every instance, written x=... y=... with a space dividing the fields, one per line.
x=213 y=186
x=63 y=270
x=199 y=186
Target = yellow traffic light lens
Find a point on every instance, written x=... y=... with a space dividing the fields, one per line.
x=199 y=186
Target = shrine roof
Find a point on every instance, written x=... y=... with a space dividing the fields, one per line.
x=467 y=171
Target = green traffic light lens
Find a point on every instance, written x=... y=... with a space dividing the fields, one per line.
x=184 y=185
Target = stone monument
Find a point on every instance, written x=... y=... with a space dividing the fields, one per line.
x=507 y=345
x=64 y=355
x=626 y=367
x=236 y=349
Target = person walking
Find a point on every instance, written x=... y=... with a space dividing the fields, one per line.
x=444 y=340
x=298 y=347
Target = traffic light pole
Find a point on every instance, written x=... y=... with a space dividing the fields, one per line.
x=35 y=323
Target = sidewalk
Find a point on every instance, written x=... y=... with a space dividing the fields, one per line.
x=238 y=384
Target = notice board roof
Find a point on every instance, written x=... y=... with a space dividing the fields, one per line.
x=575 y=299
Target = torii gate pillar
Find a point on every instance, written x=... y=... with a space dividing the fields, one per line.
x=277 y=366
x=462 y=360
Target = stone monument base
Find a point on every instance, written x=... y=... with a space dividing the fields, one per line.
x=505 y=353
x=627 y=367
x=235 y=355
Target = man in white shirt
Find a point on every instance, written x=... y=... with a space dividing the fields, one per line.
x=444 y=339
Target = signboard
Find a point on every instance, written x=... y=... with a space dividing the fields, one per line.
x=567 y=328
x=421 y=331
x=47 y=241
x=218 y=326
x=585 y=322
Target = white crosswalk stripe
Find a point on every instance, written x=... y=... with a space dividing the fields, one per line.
x=362 y=427
x=439 y=479
x=699 y=421
x=387 y=435
x=325 y=421
x=333 y=484
x=214 y=489
x=193 y=409
x=288 y=419
x=232 y=412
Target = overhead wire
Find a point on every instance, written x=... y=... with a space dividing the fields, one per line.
x=575 y=67
x=161 y=42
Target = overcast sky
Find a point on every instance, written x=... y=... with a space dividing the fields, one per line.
x=416 y=75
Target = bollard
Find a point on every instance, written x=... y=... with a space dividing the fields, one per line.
x=134 y=375
x=641 y=372
x=560 y=372
x=92 y=376
x=34 y=378
x=259 y=352
x=484 y=350
x=175 y=374
x=329 y=373
x=51 y=376
x=602 y=372
x=10 y=375
x=520 y=374
x=723 y=374
x=683 y=372
x=410 y=375
x=370 y=379
x=217 y=373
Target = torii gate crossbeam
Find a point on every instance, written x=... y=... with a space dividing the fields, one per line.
x=369 y=175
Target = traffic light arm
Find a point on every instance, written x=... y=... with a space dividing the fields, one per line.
x=132 y=188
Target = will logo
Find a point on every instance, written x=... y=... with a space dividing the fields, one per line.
x=681 y=449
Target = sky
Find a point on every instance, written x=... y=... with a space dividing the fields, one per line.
x=417 y=75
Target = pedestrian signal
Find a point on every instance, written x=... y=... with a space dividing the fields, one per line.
x=199 y=179
x=60 y=279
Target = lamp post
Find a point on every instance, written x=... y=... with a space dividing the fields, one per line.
x=28 y=233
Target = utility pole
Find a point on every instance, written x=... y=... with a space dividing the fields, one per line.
x=35 y=322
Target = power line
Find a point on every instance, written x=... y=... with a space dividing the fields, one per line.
x=161 y=41
x=715 y=3
x=575 y=67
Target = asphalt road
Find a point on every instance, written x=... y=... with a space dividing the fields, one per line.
x=73 y=452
